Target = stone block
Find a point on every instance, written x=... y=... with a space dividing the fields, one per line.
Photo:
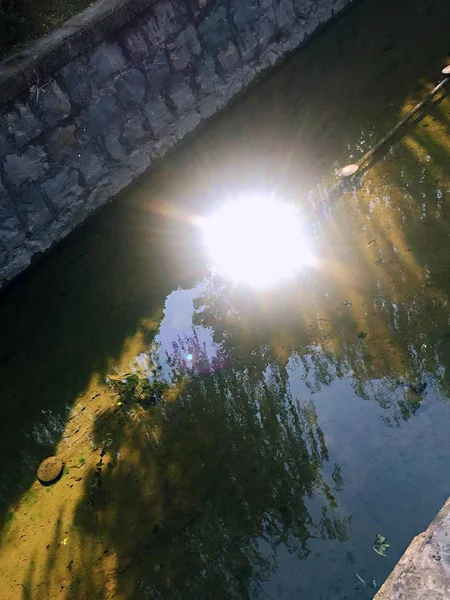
x=3 y=192
x=31 y=205
x=92 y=165
x=266 y=29
x=22 y=124
x=324 y=10
x=181 y=94
x=62 y=143
x=198 y=6
x=18 y=261
x=179 y=56
x=229 y=58
x=186 y=124
x=157 y=71
x=113 y=144
x=215 y=30
x=107 y=60
x=183 y=48
x=303 y=7
x=3 y=256
x=64 y=190
x=11 y=231
x=286 y=16
x=134 y=42
x=244 y=12
x=158 y=115
x=247 y=43
x=209 y=107
x=4 y=142
x=102 y=115
x=53 y=103
x=131 y=88
x=28 y=166
x=206 y=76
x=339 y=5
x=75 y=78
x=270 y=57
x=191 y=40
x=312 y=22
x=136 y=132
x=166 y=20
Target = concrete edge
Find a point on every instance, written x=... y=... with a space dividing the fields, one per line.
x=396 y=585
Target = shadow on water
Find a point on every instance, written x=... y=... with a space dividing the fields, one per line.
x=197 y=495
x=65 y=324
x=207 y=486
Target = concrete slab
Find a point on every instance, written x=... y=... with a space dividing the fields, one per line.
x=423 y=572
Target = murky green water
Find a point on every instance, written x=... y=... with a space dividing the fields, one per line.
x=301 y=421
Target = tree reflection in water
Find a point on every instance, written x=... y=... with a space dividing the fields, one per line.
x=384 y=350
x=210 y=481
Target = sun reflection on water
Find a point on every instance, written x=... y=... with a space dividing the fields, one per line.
x=258 y=241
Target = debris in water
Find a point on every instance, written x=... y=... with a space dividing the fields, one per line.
x=50 y=470
x=361 y=580
x=348 y=170
x=380 y=545
x=446 y=70
x=371 y=243
x=361 y=335
x=346 y=303
x=418 y=388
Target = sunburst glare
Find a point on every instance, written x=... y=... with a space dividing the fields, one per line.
x=257 y=241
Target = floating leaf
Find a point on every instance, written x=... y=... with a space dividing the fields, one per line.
x=380 y=545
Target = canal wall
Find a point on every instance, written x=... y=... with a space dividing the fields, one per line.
x=423 y=572
x=89 y=107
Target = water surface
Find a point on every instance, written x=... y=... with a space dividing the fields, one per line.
x=296 y=423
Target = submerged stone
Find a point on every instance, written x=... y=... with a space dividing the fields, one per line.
x=348 y=171
x=49 y=470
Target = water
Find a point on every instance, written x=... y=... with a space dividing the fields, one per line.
x=297 y=424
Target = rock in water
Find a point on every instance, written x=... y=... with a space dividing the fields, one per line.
x=348 y=171
x=418 y=388
x=50 y=470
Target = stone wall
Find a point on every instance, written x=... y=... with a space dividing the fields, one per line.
x=89 y=107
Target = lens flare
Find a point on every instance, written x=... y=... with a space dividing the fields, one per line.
x=257 y=241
